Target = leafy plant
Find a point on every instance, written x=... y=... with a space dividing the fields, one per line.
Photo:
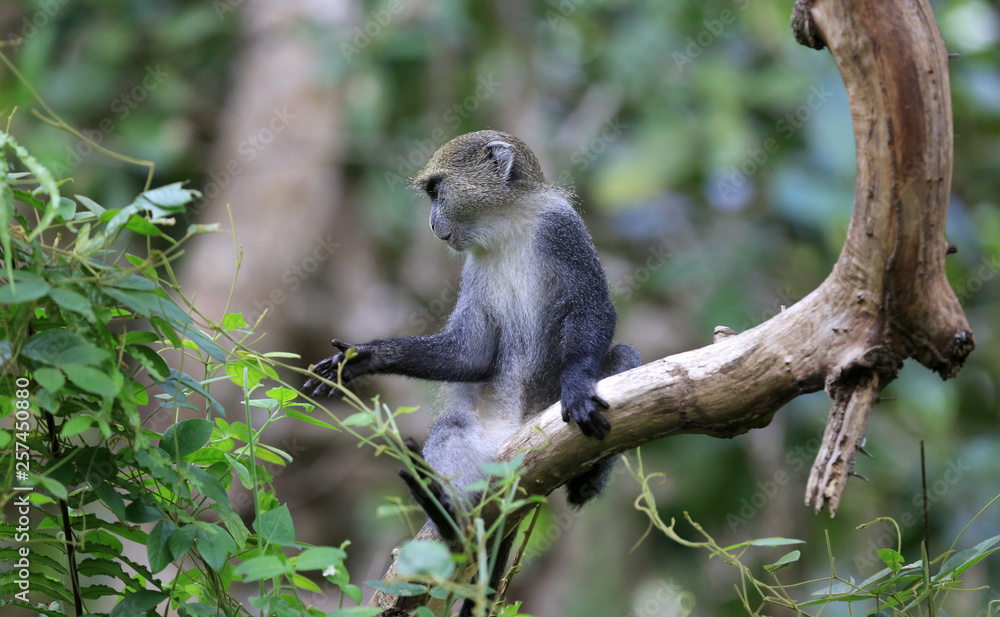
x=82 y=341
x=896 y=590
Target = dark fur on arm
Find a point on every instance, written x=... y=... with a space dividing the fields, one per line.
x=589 y=322
x=465 y=351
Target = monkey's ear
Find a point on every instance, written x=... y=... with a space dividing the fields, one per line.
x=502 y=153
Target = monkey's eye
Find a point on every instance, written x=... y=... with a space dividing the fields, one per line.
x=431 y=188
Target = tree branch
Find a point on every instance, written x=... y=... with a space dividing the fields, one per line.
x=887 y=298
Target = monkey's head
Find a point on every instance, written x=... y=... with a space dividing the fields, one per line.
x=478 y=183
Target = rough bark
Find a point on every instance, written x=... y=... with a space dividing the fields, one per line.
x=887 y=298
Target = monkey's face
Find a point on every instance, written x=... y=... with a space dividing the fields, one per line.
x=477 y=183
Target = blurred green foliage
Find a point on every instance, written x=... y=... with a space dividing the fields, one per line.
x=714 y=161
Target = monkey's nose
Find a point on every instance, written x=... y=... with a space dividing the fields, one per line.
x=440 y=228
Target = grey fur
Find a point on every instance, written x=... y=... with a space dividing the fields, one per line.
x=533 y=323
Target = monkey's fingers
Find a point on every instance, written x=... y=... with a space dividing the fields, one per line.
x=596 y=424
x=327 y=369
x=412 y=445
x=341 y=345
x=317 y=387
x=599 y=424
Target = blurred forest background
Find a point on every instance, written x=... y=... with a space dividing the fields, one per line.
x=714 y=161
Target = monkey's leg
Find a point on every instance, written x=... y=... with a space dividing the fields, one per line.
x=455 y=450
x=591 y=483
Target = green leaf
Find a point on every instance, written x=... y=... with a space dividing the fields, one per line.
x=282 y=354
x=775 y=542
x=504 y=469
x=304 y=583
x=182 y=540
x=146 y=303
x=59 y=347
x=53 y=486
x=891 y=558
x=66 y=208
x=106 y=567
x=234 y=370
x=233 y=523
x=210 y=486
x=354 y=592
x=784 y=561
x=23 y=292
x=152 y=361
x=108 y=495
x=72 y=301
x=139 y=336
x=190 y=382
x=320 y=558
x=298 y=415
x=965 y=559
x=49 y=378
x=233 y=321
x=90 y=379
x=197 y=609
x=204 y=342
x=241 y=471
x=186 y=436
x=398 y=588
x=137 y=282
x=90 y=204
x=214 y=545
x=156 y=545
x=262 y=567
x=425 y=557
x=136 y=604
x=362 y=418
x=276 y=527
x=282 y=395
x=874 y=578
x=140 y=225
x=76 y=425
x=166 y=200
x=140 y=512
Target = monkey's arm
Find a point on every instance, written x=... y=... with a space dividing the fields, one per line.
x=589 y=319
x=465 y=351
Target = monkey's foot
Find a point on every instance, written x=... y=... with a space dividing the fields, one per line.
x=436 y=502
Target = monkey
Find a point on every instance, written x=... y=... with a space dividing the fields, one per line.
x=533 y=323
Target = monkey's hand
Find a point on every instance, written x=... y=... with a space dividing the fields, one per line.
x=581 y=406
x=360 y=363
